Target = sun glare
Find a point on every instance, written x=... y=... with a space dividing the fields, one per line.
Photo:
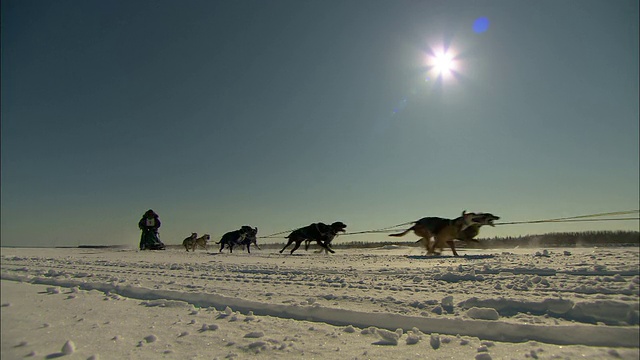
x=443 y=63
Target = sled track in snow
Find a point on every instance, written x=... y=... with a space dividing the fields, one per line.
x=534 y=295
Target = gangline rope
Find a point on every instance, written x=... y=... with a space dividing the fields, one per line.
x=579 y=218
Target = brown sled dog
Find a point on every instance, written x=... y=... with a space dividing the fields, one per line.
x=469 y=233
x=189 y=242
x=192 y=242
x=444 y=231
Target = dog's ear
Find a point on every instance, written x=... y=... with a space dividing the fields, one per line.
x=468 y=219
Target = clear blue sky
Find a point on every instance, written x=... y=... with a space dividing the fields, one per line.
x=281 y=113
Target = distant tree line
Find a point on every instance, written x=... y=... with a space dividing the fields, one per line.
x=562 y=239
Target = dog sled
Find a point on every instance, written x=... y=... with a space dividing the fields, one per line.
x=151 y=241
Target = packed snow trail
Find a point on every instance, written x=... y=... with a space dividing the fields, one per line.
x=552 y=297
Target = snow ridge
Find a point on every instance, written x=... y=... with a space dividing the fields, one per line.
x=485 y=329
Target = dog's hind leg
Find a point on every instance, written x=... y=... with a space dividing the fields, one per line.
x=424 y=242
x=431 y=245
x=441 y=240
x=453 y=247
x=288 y=243
x=298 y=243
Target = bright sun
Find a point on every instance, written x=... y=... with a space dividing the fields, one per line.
x=443 y=63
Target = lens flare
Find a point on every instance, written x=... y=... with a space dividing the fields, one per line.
x=481 y=25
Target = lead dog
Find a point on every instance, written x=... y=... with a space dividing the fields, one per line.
x=469 y=233
x=321 y=233
x=442 y=230
x=246 y=235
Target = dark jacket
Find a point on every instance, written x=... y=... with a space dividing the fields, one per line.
x=149 y=222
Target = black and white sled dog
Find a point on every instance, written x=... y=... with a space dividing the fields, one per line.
x=321 y=233
x=245 y=236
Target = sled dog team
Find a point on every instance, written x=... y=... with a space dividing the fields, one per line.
x=245 y=236
x=434 y=233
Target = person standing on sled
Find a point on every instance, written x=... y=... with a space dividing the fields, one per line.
x=149 y=225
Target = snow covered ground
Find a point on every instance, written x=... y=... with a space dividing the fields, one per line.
x=385 y=303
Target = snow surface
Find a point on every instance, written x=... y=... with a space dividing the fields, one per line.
x=385 y=303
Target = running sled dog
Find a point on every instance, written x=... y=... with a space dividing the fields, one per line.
x=194 y=241
x=444 y=231
x=245 y=236
x=321 y=233
x=469 y=233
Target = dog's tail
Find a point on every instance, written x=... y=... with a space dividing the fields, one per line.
x=403 y=233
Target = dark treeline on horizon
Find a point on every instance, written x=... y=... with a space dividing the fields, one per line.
x=560 y=239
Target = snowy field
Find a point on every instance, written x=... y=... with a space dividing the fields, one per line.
x=385 y=303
